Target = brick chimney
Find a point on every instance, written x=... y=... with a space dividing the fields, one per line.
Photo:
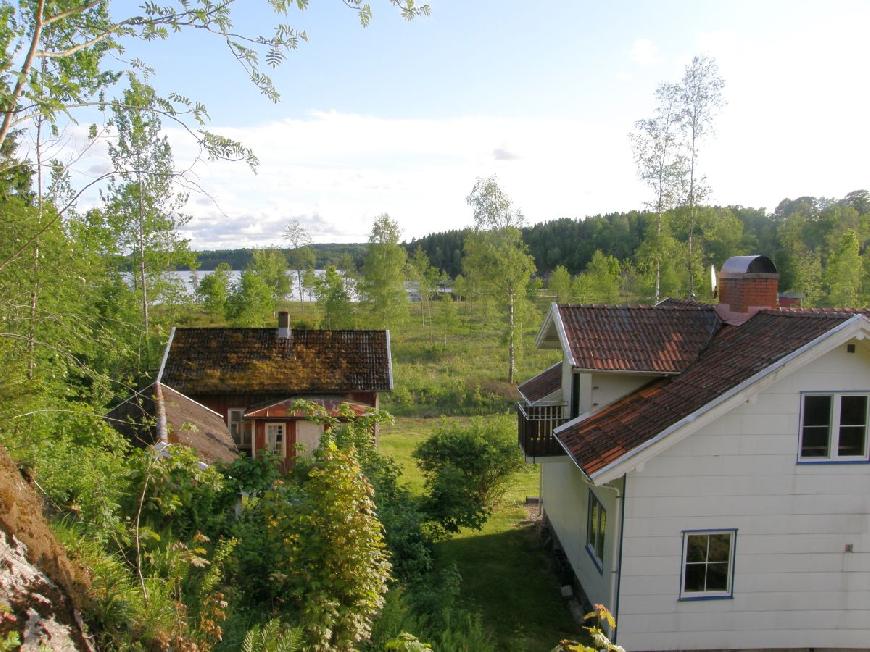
x=747 y=284
x=284 y=332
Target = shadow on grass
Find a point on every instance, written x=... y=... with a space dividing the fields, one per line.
x=508 y=577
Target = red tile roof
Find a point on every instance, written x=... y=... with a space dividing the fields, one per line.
x=659 y=339
x=283 y=409
x=542 y=385
x=256 y=361
x=734 y=355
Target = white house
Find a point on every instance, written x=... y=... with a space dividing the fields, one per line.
x=705 y=468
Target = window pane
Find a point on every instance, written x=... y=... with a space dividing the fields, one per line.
x=696 y=548
x=720 y=547
x=717 y=576
x=853 y=410
x=694 y=580
x=815 y=441
x=817 y=410
x=851 y=440
x=599 y=536
x=591 y=521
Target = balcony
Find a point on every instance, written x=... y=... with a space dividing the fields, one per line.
x=535 y=429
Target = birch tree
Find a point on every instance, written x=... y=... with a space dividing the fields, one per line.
x=301 y=255
x=382 y=284
x=661 y=164
x=497 y=260
x=700 y=100
x=141 y=203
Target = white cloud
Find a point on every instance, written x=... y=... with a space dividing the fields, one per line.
x=644 y=52
x=346 y=169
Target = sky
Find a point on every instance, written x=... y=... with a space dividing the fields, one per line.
x=402 y=117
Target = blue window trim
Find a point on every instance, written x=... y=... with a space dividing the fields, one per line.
x=815 y=461
x=599 y=564
x=703 y=596
x=590 y=550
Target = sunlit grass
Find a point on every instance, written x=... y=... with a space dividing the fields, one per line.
x=505 y=572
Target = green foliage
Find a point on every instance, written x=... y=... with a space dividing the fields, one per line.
x=466 y=470
x=601 y=282
x=273 y=636
x=842 y=276
x=214 y=291
x=561 y=284
x=333 y=296
x=142 y=208
x=270 y=266
x=382 y=285
x=406 y=642
x=497 y=262
x=317 y=548
x=252 y=302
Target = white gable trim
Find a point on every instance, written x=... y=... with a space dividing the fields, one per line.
x=554 y=319
x=165 y=355
x=854 y=327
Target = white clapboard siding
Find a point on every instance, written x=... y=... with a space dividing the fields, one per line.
x=566 y=497
x=795 y=586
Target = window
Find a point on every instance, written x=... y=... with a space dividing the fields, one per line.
x=275 y=438
x=235 y=422
x=708 y=564
x=596 y=523
x=834 y=427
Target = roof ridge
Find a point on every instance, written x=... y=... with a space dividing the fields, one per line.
x=640 y=306
x=814 y=312
x=270 y=328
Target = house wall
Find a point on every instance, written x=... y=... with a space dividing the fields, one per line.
x=607 y=387
x=566 y=498
x=308 y=436
x=599 y=389
x=794 y=585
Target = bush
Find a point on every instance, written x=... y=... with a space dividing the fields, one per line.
x=467 y=469
x=315 y=550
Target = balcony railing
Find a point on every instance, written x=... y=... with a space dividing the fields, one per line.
x=535 y=429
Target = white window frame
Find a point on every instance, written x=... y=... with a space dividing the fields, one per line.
x=270 y=444
x=708 y=595
x=834 y=430
x=238 y=438
x=594 y=530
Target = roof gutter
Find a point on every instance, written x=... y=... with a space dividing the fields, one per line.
x=607 y=473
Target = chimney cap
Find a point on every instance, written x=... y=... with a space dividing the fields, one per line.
x=742 y=265
x=284 y=325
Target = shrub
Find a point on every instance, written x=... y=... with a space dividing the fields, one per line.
x=315 y=549
x=467 y=469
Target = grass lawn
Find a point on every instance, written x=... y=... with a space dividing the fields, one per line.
x=505 y=572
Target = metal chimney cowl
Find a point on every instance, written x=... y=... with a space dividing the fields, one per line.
x=747 y=284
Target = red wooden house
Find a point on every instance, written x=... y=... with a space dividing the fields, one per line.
x=251 y=376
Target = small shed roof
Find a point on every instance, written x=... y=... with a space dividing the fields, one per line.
x=187 y=422
x=284 y=409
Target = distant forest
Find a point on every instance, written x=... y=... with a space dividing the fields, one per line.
x=799 y=235
x=803 y=236
x=325 y=255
